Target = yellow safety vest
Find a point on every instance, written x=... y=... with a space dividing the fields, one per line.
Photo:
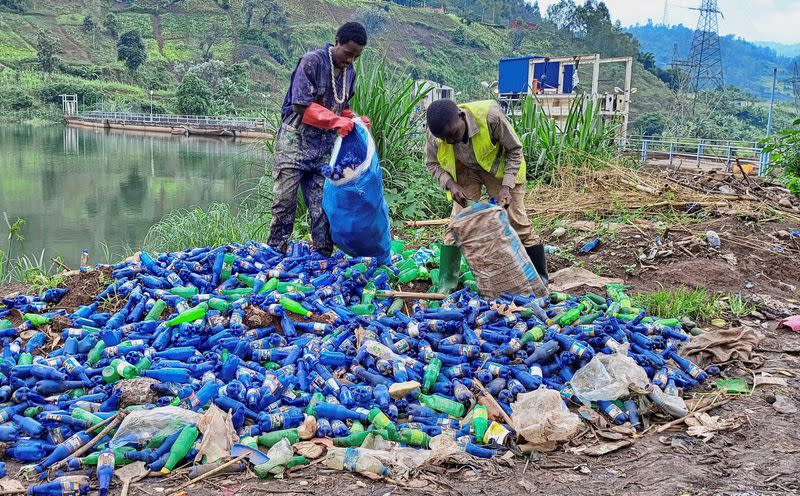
x=490 y=156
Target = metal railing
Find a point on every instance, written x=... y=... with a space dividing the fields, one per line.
x=180 y=120
x=697 y=151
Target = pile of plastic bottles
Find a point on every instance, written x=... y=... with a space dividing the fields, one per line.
x=339 y=350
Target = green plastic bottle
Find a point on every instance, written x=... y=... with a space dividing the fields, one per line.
x=356 y=439
x=414 y=274
x=297 y=460
x=362 y=309
x=569 y=316
x=81 y=414
x=186 y=292
x=293 y=287
x=442 y=404
x=361 y=267
x=219 y=304
x=248 y=281
x=143 y=364
x=110 y=374
x=381 y=421
x=414 y=437
x=237 y=291
x=6 y=324
x=269 y=439
x=190 y=315
x=119 y=457
x=125 y=369
x=156 y=311
x=535 y=333
x=368 y=293
x=270 y=285
x=480 y=422
x=25 y=358
x=249 y=441
x=32 y=411
x=96 y=353
x=181 y=447
x=37 y=320
x=589 y=318
x=432 y=370
x=398 y=245
x=294 y=307
x=396 y=306
x=315 y=398
x=227 y=267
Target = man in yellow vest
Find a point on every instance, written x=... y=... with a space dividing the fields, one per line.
x=470 y=146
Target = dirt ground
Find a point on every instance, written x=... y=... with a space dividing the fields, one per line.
x=761 y=456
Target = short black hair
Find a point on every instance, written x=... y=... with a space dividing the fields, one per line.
x=440 y=114
x=352 y=31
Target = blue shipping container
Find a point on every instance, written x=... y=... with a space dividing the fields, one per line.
x=513 y=75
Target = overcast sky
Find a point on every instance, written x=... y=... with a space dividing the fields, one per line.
x=754 y=20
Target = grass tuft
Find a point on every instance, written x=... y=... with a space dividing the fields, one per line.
x=696 y=304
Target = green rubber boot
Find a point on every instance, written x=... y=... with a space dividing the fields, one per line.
x=449 y=268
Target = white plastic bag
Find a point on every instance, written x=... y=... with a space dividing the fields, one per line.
x=606 y=377
x=541 y=417
x=140 y=426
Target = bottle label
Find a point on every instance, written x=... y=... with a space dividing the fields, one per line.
x=111 y=351
x=73 y=444
x=276 y=420
x=350 y=459
x=271 y=382
x=496 y=432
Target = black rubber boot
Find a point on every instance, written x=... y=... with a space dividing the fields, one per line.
x=536 y=254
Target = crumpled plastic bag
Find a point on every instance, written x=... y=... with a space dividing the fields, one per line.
x=219 y=436
x=606 y=377
x=142 y=425
x=542 y=418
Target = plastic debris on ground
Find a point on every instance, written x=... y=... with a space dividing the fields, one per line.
x=331 y=357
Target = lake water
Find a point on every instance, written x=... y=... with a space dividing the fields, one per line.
x=80 y=188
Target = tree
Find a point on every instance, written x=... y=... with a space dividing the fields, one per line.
x=214 y=33
x=111 y=24
x=88 y=24
x=47 y=47
x=193 y=96
x=131 y=51
x=15 y=5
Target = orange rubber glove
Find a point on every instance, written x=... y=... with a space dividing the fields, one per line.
x=322 y=118
x=351 y=115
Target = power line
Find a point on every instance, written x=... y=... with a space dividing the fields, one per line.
x=705 y=56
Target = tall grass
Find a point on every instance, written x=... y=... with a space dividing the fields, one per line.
x=585 y=136
x=392 y=103
x=214 y=226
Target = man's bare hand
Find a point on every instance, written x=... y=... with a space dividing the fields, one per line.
x=504 y=196
x=459 y=195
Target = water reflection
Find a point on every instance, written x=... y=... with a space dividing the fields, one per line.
x=79 y=188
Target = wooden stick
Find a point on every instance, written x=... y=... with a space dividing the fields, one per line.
x=493 y=401
x=412 y=295
x=678 y=421
x=209 y=473
x=86 y=447
x=60 y=264
x=423 y=223
x=102 y=423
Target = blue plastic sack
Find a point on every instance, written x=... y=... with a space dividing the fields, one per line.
x=354 y=204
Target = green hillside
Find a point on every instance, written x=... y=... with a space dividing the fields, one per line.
x=252 y=63
x=745 y=65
